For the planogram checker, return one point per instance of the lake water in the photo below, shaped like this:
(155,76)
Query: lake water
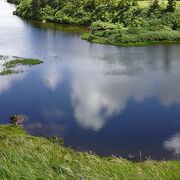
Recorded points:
(123,101)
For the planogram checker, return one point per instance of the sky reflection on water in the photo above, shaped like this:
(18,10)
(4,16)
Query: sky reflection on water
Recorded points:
(102,98)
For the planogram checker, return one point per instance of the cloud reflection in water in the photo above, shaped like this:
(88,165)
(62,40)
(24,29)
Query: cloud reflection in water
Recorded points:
(103,90)
(173,144)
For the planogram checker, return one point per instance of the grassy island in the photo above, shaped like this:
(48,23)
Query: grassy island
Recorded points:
(23,156)
(16,62)
(116,22)
(10,65)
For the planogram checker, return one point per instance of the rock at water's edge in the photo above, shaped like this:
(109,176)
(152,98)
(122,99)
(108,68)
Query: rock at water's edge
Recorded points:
(16,119)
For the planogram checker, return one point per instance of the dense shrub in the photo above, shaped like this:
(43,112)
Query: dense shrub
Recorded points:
(47,13)
(138,35)
(171,5)
(100,25)
(110,21)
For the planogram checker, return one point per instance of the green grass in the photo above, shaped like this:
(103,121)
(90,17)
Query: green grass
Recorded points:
(145,4)
(9,66)
(23,156)
(137,40)
(17,62)
(135,44)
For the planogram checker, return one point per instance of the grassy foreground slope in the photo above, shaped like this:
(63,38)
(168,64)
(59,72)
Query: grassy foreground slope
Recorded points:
(23,156)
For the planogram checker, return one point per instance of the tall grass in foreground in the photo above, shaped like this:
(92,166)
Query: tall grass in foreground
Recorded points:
(26,157)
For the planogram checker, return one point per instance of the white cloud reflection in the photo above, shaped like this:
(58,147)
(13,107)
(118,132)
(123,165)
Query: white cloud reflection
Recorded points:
(52,75)
(102,86)
(6,82)
(102,90)
(173,144)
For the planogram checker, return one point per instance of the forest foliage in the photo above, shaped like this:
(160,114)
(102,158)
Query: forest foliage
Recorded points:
(110,21)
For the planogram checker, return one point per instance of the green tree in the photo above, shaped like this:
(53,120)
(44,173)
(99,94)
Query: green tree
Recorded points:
(154,4)
(124,4)
(171,6)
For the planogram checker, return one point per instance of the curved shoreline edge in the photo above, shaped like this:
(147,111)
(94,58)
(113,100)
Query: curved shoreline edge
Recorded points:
(136,44)
(148,28)
(31,157)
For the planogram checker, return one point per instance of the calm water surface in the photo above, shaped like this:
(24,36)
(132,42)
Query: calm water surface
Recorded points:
(110,100)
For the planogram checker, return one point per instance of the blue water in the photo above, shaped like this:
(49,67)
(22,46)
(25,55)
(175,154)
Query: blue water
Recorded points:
(110,100)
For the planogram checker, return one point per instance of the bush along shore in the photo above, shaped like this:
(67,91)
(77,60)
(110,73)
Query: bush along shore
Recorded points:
(117,22)
(23,156)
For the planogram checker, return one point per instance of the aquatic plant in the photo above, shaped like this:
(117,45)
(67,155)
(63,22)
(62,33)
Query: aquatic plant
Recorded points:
(16,62)
(9,67)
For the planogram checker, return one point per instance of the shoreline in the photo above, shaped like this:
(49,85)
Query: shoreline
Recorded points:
(136,44)
(24,156)
(50,159)
(86,33)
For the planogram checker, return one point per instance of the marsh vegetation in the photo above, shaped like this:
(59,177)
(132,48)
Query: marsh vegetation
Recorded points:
(114,22)
(9,64)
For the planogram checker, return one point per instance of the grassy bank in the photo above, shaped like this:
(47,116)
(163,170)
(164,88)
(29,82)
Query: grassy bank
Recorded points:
(26,157)
(116,22)
(115,42)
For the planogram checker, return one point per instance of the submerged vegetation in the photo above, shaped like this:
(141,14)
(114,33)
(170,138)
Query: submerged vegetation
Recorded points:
(14,63)
(8,72)
(111,21)
(23,156)
(9,67)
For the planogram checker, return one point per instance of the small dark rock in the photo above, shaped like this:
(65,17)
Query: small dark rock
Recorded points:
(16,119)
